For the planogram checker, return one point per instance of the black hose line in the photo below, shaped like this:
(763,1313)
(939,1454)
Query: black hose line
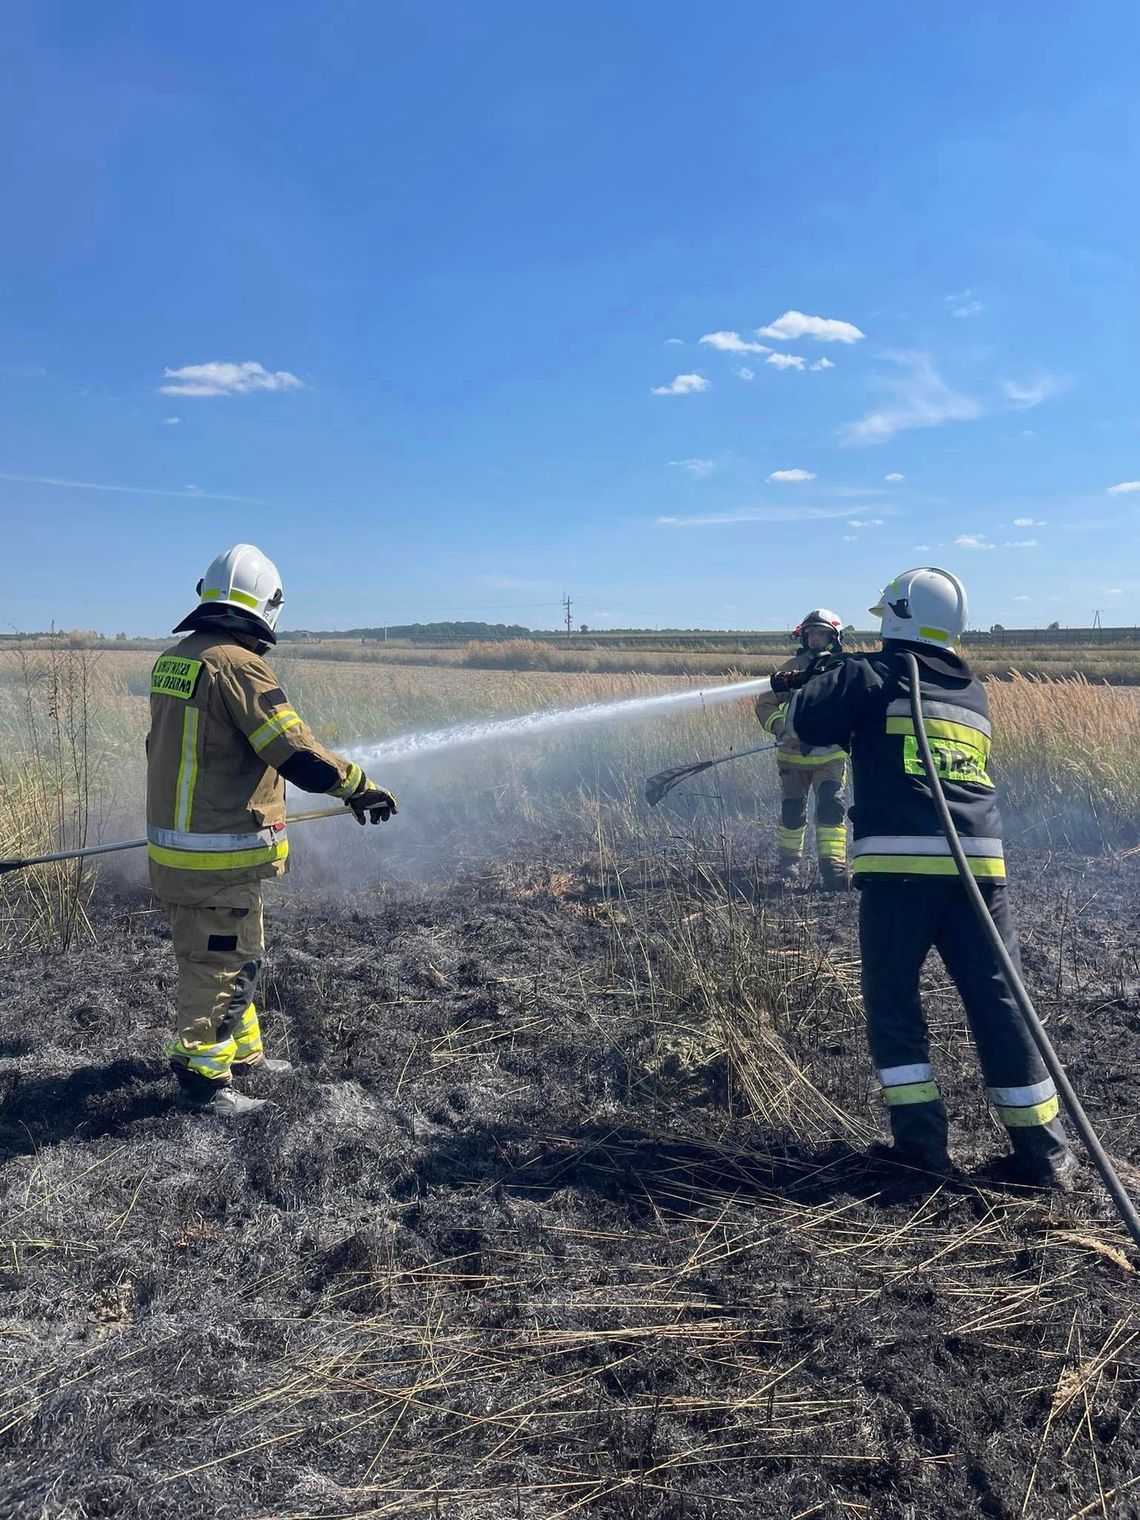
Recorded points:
(1124,1205)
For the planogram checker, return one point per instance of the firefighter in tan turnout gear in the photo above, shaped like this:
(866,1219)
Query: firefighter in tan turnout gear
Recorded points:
(223,742)
(804,768)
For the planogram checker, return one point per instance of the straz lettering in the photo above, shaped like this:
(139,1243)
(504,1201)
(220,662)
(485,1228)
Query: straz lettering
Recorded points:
(172,677)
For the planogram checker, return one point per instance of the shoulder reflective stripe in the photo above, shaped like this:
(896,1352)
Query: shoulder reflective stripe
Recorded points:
(911,1092)
(950,712)
(175,677)
(273,727)
(1022,1118)
(179,839)
(1022,1097)
(187,770)
(351,783)
(924,865)
(217,860)
(895,1076)
(938,728)
(924,844)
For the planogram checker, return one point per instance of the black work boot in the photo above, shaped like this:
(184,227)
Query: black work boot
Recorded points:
(915,1157)
(267,1065)
(787,869)
(211,1098)
(920,1136)
(1041,1158)
(833,874)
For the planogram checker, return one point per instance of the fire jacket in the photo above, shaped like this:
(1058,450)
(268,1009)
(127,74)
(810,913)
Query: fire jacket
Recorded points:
(772,711)
(862,702)
(223,741)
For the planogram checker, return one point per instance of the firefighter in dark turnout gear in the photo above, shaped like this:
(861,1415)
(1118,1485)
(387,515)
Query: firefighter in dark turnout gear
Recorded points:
(807,768)
(911,896)
(223,742)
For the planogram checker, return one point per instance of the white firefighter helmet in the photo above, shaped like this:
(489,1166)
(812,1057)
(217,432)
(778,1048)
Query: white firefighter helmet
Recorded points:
(924,606)
(821,617)
(243,577)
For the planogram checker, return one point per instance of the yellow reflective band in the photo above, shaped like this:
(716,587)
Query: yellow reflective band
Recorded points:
(351,784)
(939,728)
(934,633)
(830,843)
(911,1092)
(212,1061)
(241,597)
(928,865)
(187,771)
(1036,1113)
(172,677)
(775,717)
(217,860)
(828,759)
(273,727)
(790,839)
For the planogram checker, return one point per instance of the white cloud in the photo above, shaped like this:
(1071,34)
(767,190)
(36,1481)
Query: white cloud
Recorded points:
(1030,393)
(918,397)
(733,343)
(94,485)
(682,385)
(823,364)
(785,361)
(745,373)
(1124,488)
(172,421)
(1022,598)
(222,379)
(1114,591)
(972,541)
(923,548)
(1026,522)
(697,468)
(849,538)
(894,477)
(751,515)
(674,342)
(1022,543)
(865,522)
(795,324)
(792,475)
(968,309)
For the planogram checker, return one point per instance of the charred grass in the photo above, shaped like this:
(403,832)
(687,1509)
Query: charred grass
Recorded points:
(563,1213)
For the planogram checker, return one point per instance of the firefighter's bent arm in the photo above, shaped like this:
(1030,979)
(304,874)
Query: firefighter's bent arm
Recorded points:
(833,703)
(278,734)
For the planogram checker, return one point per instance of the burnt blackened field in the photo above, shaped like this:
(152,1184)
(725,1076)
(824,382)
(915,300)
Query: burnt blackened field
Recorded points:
(562,1214)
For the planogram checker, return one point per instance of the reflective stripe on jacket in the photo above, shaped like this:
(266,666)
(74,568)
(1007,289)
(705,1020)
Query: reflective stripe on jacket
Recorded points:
(863,702)
(772,712)
(221,731)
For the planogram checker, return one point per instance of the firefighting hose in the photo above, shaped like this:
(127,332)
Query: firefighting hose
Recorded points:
(25,862)
(1101,1159)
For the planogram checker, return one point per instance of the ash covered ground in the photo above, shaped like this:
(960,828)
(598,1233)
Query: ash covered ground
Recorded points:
(518,1241)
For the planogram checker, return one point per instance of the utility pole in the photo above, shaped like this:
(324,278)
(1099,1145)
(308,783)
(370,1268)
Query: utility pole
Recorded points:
(569,620)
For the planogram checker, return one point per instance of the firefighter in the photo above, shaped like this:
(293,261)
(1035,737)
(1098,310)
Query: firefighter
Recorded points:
(804,768)
(910,895)
(223,742)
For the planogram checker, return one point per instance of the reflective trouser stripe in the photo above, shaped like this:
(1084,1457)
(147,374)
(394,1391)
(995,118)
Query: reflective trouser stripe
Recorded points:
(909,1084)
(218,860)
(829,757)
(927,865)
(1019,1107)
(791,841)
(213,1061)
(831,841)
(247,1036)
(187,770)
(349,786)
(273,727)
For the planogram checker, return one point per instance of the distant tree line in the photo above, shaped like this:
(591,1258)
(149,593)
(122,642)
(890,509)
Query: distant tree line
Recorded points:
(422,633)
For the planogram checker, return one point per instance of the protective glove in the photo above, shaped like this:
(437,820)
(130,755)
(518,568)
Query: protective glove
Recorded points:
(789,744)
(372,802)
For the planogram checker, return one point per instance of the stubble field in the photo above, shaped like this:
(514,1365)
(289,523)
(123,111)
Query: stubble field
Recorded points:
(564,1210)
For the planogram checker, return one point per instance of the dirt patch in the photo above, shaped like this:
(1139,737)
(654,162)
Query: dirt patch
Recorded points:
(512,1243)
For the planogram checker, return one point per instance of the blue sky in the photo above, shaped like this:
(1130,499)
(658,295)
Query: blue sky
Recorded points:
(393,290)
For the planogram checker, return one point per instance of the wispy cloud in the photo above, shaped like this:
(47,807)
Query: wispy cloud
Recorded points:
(865,522)
(983,541)
(733,343)
(786,361)
(796,324)
(773,514)
(674,342)
(1024,394)
(187,493)
(964,304)
(1022,599)
(822,364)
(1125,488)
(791,475)
(223,379)
(917,397)
(682,385)
(744,373)
(1027,522)
(894,477)
(696,468)
(1113,591)
(172,422)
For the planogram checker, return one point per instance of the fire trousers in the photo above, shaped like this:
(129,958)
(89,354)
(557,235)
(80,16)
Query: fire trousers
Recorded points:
(900,920)
(797,782)
(219,950)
